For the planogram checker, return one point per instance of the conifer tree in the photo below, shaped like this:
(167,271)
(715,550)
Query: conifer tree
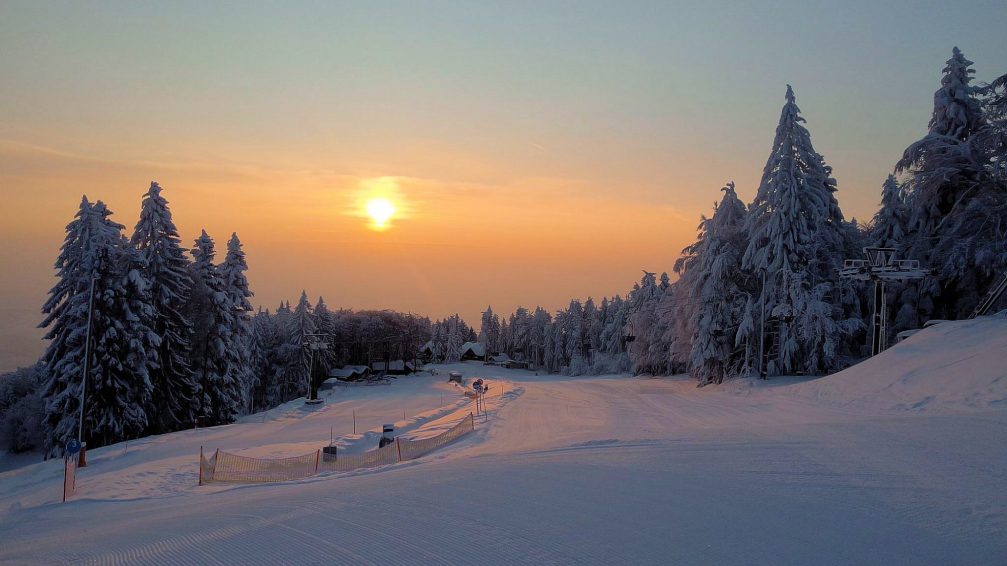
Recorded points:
(125,342)
(301,322)
(489,330)
(118,387)
(455,335)
(715,290)
(66,324)
(957,205)
(165,267)
(890,225)
(797,237)
(235,284)
(212,313)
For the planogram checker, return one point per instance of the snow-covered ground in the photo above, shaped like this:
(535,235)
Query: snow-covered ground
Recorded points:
(899,460)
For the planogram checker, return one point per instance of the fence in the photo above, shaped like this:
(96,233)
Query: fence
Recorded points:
(227,467)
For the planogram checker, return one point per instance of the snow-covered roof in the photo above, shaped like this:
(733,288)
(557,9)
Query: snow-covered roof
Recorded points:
(500,358)
(348,371)
(478,349)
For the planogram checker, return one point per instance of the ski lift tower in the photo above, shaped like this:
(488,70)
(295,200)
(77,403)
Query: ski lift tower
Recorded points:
(881,267)
(314,343)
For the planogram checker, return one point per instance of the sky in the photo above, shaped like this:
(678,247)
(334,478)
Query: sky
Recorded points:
(534,151)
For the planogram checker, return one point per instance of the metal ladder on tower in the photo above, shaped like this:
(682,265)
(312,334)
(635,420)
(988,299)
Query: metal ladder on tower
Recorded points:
(991,297)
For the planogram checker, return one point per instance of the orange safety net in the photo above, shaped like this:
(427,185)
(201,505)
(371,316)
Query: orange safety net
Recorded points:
(412,449)
(227,467)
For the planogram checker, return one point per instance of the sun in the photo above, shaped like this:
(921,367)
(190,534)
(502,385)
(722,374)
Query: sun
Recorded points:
(381,211)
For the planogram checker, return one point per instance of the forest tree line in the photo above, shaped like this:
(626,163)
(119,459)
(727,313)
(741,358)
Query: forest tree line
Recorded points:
(945,204)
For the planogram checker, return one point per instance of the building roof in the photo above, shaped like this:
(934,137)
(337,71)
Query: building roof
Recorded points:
(348,371)
(478,349)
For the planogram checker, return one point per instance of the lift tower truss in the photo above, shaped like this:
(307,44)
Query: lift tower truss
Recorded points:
(881,267)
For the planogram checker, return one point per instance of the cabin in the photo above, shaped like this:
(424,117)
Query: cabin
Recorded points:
(394,367)
(497,360)
(516,364)
(346,373)
(473,351)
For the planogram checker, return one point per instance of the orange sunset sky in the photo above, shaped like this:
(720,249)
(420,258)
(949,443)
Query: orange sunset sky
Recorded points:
(534,152)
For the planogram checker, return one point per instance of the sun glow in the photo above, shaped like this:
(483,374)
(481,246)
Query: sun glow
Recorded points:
(381,211)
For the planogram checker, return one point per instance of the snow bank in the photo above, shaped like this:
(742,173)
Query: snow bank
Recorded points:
(951,367)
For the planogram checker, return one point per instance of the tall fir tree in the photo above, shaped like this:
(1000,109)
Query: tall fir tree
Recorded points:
(211,312)
(118,388)
(715,289)
(235,283)
(301,322)
(455,338)
(166,268)
(489,330)
(956,202)
(957,113)
(125,342)
(891,222)
(797,237)
(66,324)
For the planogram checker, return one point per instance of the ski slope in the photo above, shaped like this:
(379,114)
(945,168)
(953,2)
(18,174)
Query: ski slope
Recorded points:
(899,460)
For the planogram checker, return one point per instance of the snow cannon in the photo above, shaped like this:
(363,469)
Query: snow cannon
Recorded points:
(387,435)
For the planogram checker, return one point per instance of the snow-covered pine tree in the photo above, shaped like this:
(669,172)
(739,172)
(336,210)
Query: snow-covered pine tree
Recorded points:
(235,283)
(594,320)
(551,357)
(125,343)
(890,229)
(957,113)
(942,166)
(715,290)
(212,315)
(574,346)
(66,320)
(506,337)
(264,340)
(796,230)
(613,345)
(538,337)
(325,324)
(993,138)
(118,387)
(642,320)
(656,339)
(286,356)
(438,338)
(455,335)
(520,329)
(891,223)
(611,357)
(489,330)
(166,268)
(957,205)
(301,322)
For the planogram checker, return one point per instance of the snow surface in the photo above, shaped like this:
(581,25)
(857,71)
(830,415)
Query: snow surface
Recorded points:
(899,460)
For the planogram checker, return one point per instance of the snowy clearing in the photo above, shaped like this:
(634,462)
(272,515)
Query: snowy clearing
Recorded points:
(897,460)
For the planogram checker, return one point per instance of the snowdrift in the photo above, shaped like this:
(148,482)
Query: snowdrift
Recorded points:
(951,367)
